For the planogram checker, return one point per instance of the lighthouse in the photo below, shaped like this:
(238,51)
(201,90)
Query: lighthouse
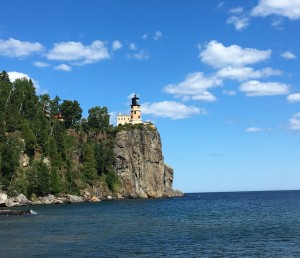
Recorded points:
(135,115)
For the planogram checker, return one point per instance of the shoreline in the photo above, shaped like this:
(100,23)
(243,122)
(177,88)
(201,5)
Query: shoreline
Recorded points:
(21,200)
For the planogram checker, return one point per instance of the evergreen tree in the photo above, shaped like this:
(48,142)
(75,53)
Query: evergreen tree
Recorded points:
(71,112)
(39,178)
(9,161)
(98,118)
(51,151)
(89,163)
(55,186)
(29,137)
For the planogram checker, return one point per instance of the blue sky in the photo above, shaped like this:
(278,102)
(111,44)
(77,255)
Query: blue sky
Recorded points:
(220,79)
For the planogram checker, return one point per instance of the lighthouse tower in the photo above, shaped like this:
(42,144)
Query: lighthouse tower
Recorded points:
(135,116)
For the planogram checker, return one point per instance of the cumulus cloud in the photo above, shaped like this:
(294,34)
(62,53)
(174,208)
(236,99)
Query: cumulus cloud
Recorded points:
(158,35)
(288,55)
(116,45)
(236,10)
(229,92)
(144,36)
(257,129)
(16,48)
(286,8)
(257,88)
(63,67)
(195,85)
(141,54)
(40,64)
(170,109)
(295,122)
(17,75)
(217,55)
(292,98)
(238,22)
(79,53)
(13,76)
(132,46)
(245,73)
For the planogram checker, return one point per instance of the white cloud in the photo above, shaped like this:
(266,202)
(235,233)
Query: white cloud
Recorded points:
(236,10)
(145,36)
(13,76)
(170,109)
(277,23)
(158,35)
(40,64)
(17,75)
(116,45)
(229,92)
(195,85)
(112,117)
(204,96)
(76,51)
(63,67)
(217,55)
(286,8)
(142,54)
(220,5)
(257,88)
(256,129)
(245,73)
(132,46)
(288,55)
(295,97)
(239,23)
(295,122)
(16,48)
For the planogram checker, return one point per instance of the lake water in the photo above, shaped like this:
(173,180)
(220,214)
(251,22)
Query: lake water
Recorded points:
(244,224)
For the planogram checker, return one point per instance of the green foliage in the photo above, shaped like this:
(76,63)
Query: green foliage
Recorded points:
(39,177)
(80,151)
(29,137)
(51,151)
(71,112)
(104,156)
(98,119)
(112,181)
(55,183)
(89,164)
(9,156)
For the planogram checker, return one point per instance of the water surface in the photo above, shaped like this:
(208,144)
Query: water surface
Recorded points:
(245,224)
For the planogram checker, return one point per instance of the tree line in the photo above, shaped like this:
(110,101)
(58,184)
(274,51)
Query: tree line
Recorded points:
(46,146)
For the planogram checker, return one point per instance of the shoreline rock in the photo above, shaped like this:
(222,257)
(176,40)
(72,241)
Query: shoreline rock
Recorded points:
(14,212)
(21,200)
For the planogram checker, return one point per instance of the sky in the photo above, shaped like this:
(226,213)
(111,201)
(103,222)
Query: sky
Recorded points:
(220,79)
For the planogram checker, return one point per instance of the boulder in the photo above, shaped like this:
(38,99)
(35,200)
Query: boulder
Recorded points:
(49,199)
(3,198)
(94,199)
(73,199)
(22,200)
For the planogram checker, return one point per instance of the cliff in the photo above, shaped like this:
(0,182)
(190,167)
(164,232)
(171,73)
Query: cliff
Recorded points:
(139,164)
(133,164)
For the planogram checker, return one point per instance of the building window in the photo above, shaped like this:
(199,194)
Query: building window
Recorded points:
(139,116)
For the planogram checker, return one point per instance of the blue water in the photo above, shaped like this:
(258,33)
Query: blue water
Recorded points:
(246,224)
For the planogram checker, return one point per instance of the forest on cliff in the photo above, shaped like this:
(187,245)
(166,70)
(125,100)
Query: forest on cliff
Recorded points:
(46,146)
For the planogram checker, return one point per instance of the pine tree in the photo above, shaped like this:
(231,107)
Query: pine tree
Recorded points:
(89,164)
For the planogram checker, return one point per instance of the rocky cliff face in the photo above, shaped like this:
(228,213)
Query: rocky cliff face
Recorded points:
(140,165)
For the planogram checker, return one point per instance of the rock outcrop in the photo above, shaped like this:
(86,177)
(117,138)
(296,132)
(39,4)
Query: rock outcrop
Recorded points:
(140,165)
